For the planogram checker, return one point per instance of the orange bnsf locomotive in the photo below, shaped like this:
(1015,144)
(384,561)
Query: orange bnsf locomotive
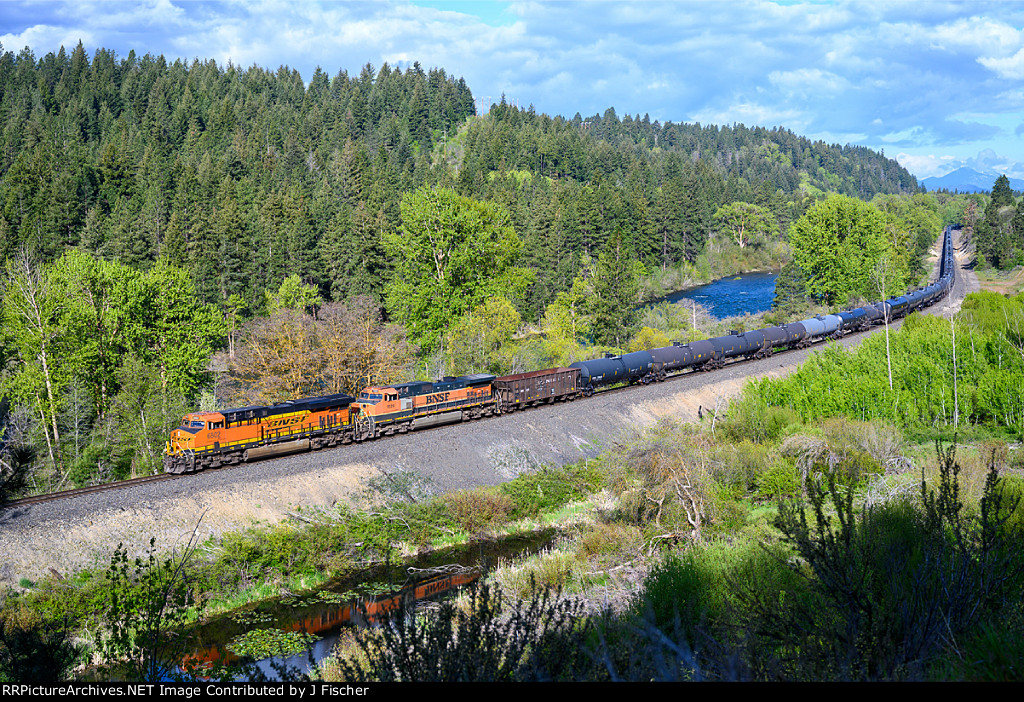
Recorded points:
(398,408)
(213,439)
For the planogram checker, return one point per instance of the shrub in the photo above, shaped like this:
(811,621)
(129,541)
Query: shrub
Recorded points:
(553,569)
(741,464)
(37,651)
(533,493)
(682,589)
(753,419)
(894,585)
(607,539)
(780,480)
(478,508)
(995,452)
(539,639)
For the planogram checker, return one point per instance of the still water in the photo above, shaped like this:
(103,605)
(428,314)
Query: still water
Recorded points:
(727,297)
(382,591)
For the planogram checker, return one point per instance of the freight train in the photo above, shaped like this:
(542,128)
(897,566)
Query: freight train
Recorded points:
(213,439)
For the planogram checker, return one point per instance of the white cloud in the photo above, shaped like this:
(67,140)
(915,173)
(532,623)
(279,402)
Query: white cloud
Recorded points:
(807,81)
(750,113)
(978,33)
(1011,67)
(928,165)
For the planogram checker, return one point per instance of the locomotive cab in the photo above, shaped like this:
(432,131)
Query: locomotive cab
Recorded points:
(373,401)
(195,433)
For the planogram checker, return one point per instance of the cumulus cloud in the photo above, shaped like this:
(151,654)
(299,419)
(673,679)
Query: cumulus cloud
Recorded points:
(1011,67)
(928,165)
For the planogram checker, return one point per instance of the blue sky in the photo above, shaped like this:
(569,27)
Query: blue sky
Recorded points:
(936,85)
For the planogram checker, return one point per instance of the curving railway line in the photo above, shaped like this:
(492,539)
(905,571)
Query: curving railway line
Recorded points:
(955,291)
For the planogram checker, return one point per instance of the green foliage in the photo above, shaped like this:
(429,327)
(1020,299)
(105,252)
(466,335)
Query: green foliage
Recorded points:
(293,295)
(648,338)
(892,585)
(565,319)
(992,653)
(838,244)
(532,493)
(37,651)
(615,288)
(751,418)
(999,238)
(99,461)
(551,570)
(990,313)
(478,508)
(258,644)
(791,296)
(781,480)
(451,255)
(989,368)
(147,615)
(539,639)
(479,341)
(686,589)
(746,223)
(911,224)
(93,338)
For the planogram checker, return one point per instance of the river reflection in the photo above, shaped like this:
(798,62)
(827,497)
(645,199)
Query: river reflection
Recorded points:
(318,617)
(323,614)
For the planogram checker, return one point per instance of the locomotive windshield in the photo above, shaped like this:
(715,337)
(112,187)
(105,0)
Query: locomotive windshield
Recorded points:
(371,396)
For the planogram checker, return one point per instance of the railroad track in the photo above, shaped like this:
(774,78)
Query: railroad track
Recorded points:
(89,490)
(133,482)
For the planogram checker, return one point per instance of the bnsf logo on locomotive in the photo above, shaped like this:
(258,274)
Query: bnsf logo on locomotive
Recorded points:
(436,398)
(284,422)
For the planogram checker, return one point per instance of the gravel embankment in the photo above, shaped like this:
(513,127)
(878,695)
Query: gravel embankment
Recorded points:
(68,535)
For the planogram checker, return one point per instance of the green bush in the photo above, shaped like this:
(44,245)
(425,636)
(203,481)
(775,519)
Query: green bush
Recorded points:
(99,462)
(893,585)
(780,480)
(37,651)
(549,487)
(993,653)
(478,508)
(683,589)
(751,418)
(742,463)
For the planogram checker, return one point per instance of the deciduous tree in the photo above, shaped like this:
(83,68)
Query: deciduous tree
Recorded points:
(451,254)
(744,222)
(837,244)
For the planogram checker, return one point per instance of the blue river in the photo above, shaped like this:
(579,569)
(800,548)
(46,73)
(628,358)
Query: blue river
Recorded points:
(727,297)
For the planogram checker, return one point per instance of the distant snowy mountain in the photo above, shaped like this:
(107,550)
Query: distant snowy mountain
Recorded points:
(968,180)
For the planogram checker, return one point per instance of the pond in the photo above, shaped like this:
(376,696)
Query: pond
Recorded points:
(727,297)
(315,619)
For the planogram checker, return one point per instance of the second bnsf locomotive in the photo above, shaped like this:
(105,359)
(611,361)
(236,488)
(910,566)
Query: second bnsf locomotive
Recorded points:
(212,439)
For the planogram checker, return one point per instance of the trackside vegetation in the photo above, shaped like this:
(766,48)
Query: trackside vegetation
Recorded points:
(770,546)
(262,198)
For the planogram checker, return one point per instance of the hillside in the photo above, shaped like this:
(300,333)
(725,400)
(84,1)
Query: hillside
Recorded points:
(247,176)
